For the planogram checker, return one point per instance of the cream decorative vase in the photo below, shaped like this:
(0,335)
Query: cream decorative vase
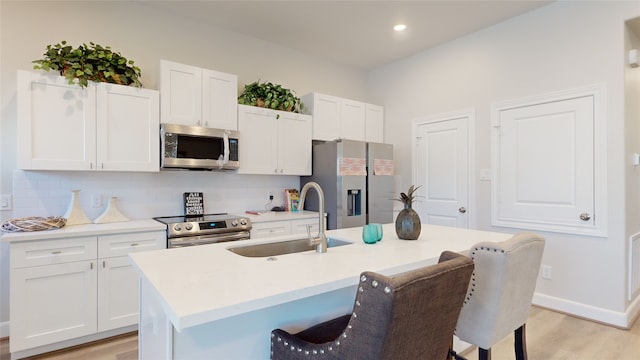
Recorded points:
(75,215)
(110,214)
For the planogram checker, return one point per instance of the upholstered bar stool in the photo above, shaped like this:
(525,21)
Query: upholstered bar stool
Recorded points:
(406,317)
(500,293)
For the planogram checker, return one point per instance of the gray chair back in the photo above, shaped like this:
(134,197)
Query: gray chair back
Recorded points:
(501,289)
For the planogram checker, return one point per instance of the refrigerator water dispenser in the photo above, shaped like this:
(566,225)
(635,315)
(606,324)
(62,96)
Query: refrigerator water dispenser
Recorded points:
(354,201)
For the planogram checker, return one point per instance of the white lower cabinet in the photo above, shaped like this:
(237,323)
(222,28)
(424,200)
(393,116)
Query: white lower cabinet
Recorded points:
(284,227)
(271,228)
(63,289)
(52,303)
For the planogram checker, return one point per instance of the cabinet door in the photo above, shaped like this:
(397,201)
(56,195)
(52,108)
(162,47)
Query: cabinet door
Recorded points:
(352,120)
(259,143)
(326,117)
(52,303)
(294,143)
(374,123)
(56,123)
(127,128)
(118,289)
(219,100)
(181,89)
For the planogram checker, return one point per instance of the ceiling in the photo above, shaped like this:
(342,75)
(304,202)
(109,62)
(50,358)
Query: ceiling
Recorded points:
(356,33)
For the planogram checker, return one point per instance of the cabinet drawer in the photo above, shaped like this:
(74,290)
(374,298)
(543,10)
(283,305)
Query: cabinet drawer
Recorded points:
(273,228)
(123,244)
(47,252)
(300,226)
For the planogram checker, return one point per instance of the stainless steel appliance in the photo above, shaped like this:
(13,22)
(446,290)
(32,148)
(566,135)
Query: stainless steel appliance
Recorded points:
(197,147)
(205,229)
(357,180)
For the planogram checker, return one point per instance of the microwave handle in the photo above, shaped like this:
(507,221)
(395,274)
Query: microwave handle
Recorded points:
(226,147)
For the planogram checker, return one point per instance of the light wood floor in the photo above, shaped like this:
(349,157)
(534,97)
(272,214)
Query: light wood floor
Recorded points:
(550,336)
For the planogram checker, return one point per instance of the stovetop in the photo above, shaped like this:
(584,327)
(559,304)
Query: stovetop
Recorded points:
(178,226)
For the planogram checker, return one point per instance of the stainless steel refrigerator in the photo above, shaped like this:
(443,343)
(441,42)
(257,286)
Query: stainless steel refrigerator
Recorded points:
(357,180)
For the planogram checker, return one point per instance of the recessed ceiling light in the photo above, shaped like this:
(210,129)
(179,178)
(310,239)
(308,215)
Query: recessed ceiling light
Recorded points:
(400,27)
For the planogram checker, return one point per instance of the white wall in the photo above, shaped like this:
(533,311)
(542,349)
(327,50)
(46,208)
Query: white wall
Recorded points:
(144,34)
(561,46)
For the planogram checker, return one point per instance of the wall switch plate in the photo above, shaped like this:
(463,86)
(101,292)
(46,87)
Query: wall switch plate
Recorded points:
(546,272)
(5,202)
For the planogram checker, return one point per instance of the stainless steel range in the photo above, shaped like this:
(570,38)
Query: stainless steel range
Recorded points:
(205,229)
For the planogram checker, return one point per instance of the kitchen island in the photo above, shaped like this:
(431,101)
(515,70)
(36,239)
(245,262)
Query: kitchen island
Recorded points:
(207,302)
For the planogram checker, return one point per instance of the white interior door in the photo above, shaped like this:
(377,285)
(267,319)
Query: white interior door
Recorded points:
(545,165)
(441,169)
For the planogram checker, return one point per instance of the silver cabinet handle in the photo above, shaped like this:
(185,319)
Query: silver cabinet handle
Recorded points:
(462,210)
(585,217)
(134,244)
(56,252)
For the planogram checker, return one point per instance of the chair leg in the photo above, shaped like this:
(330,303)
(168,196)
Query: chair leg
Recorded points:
(520,343)
(484,354)
(455,355)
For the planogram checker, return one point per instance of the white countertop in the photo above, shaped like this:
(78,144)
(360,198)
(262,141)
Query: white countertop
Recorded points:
(86,230)
(197,285)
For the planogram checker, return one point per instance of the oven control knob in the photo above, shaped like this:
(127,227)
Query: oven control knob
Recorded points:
(234,223)
(243,222)
(177,227)
(188,226)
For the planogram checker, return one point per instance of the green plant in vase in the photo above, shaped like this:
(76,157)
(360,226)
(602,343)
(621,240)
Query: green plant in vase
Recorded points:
(408,224)
(91,62)
(271,96)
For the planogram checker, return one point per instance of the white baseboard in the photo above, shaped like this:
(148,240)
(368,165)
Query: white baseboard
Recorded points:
(4,329)
(614,318)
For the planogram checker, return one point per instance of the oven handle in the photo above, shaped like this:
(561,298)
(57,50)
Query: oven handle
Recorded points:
(208,239)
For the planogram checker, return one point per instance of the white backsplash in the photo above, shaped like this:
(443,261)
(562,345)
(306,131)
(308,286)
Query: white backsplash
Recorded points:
(144,195)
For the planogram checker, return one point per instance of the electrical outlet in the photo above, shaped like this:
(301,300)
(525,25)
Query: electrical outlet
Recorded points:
(96,200)
(546,272)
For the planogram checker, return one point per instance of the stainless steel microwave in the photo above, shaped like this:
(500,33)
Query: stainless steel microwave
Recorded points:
(198,148)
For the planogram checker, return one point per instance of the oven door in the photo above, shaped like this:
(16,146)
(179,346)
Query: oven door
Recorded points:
(207,239)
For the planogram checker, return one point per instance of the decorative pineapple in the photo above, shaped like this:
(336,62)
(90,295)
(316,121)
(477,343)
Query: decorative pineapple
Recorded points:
(408,224)
(408,198)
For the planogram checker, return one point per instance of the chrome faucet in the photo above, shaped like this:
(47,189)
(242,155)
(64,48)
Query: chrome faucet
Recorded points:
(320,241)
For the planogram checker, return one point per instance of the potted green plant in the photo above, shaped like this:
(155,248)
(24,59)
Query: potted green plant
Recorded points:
(269,95)
(89,62)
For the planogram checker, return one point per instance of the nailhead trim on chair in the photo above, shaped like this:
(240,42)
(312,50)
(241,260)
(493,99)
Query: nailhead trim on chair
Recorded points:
(473,275)
(363,279)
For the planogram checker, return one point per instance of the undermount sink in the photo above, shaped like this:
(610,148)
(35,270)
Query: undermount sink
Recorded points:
(282,247)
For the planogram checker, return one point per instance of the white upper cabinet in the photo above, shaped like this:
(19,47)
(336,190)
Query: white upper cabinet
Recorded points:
(196,96)
(127,128)
(374,123)
(274,142)
(101,127)
(352,120)
(338,118)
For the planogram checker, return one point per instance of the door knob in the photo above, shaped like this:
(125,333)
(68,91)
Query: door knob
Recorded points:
(585,217)
(462,210)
